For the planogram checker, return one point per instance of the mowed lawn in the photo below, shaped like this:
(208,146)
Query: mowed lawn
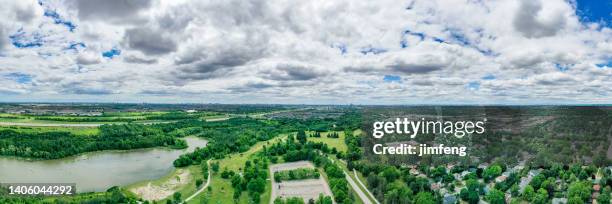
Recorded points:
(338,143)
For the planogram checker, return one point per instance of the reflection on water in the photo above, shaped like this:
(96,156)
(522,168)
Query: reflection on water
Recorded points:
(96,171)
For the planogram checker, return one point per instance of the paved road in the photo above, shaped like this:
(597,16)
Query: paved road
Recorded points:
(360,193)
(364,187)
(216,119)
(203,187)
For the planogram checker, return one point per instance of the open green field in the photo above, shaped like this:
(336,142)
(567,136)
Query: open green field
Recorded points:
(110,117)
(84,131)
(338,143)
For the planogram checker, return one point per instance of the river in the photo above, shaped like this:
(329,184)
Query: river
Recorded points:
(96,171)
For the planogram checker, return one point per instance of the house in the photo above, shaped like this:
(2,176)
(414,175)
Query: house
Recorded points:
(524,182)
(518,168)
(559,201)
(507,173)
(450,166)
(191,111)
(486,189)
(435,186)
(457,176)
(534,172)
(596,187)
(91,114)
(449,199)
(501,178)
(414,171)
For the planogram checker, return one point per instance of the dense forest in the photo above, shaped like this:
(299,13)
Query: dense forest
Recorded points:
(52,145)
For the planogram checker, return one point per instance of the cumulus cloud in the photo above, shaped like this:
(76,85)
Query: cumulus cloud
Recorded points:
(17,14)
(337,52)
(139,60)
(289,71)
(88,58)
(531,21)
(150,42)
(119,10)
(418,63)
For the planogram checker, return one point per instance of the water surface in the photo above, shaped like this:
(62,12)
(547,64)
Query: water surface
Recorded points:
(96,171)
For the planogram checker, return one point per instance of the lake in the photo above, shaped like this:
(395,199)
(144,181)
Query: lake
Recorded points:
(96,171)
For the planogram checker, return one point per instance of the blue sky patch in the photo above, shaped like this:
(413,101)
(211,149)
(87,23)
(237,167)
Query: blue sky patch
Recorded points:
(19,77)
(488,77)
(341,47)
(76,46)
(392,78)
(111,53)
(418,34)
(605,64)
(459,37)
(21,39)
(404,42)
(59,20)
(473,86)
(562,67)
(595,11)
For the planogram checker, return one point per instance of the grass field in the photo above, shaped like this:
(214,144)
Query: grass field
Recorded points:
(338,143)
(106,118)
(84,131)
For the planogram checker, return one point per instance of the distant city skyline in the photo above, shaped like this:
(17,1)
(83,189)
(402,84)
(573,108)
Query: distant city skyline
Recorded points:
(443,52)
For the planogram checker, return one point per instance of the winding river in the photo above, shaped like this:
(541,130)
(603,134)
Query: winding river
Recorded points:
(96,171)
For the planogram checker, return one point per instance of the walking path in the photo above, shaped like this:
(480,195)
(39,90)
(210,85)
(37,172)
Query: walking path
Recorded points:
(203,187)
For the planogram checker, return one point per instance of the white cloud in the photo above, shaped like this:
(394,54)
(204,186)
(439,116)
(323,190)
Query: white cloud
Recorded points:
(309,51)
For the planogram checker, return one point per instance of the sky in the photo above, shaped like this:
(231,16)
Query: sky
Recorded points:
(307,52)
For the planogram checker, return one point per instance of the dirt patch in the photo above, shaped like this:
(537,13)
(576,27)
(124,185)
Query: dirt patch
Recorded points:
(167,188)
